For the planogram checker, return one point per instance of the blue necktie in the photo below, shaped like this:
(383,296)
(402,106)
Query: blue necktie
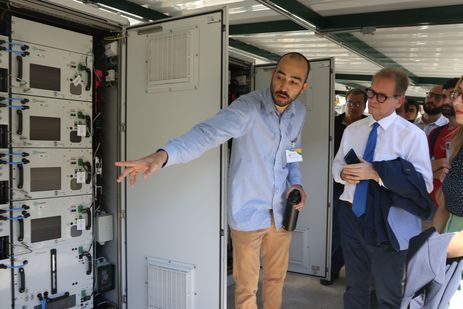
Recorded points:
(360,195)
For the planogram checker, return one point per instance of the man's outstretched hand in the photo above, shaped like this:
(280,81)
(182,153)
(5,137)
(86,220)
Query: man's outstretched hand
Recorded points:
(147,166)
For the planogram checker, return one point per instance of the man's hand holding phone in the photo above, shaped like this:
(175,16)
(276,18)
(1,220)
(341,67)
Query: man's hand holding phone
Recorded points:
(351,157)
(357,169)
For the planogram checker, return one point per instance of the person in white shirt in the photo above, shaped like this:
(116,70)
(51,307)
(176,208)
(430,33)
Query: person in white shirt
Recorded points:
(395,137)
(432,117)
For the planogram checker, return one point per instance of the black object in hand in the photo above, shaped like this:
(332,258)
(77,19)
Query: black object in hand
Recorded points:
(351,157)
(290,218)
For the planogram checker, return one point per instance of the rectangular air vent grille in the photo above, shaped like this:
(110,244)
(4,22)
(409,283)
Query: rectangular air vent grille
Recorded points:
(170,284)
(172,60)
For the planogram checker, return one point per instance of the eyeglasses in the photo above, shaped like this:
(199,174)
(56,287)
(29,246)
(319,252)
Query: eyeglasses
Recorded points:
(354,103)
(457,92)
(436,96)
(380,97)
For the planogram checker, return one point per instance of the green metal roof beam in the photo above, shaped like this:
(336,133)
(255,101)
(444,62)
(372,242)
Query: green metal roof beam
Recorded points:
(433,80)
(299,11)
(296,8)
(253,49)
(133,8)
(264,27)
(365,50)
(358,77)
(452,14)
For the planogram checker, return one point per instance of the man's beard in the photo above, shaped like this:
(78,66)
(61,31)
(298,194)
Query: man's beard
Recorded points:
(286,103)
(447,110)
(431,110)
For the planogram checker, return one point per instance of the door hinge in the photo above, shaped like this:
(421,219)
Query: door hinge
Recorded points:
(123,127)
(123,214)
(224,28)
(222,232)
(124,299)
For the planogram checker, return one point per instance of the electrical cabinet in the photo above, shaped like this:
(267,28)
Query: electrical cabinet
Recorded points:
(46,167)
(50,72)
(43,67)
(61,274)
(54,221)
(51,172)
(48,122)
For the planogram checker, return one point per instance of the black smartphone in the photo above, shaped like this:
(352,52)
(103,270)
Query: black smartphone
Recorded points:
(351,157)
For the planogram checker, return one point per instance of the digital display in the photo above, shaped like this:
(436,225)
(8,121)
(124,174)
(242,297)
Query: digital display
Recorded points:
(44,77)
(45,179)
(45,229)
(45,128)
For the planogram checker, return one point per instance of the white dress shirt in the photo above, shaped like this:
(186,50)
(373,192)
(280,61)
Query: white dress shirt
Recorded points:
(397,137)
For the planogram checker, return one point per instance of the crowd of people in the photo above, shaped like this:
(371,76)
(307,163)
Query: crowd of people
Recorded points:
(385,169)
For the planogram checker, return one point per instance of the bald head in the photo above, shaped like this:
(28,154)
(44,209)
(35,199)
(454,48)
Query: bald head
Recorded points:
(298,59)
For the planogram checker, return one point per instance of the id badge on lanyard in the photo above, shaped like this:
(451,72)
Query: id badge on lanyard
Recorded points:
(293,154)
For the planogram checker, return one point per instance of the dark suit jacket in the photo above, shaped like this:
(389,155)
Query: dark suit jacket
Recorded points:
(404,188)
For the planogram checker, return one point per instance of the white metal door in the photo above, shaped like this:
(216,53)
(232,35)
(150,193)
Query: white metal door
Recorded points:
(311,243)
(175,225)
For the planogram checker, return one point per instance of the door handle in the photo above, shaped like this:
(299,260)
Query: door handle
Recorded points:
(20,176)
(21,230)
(19,77)
(88,124)
(88,211)
(22,275)
(89,259)
(20,122)
(89,79)
(88,169)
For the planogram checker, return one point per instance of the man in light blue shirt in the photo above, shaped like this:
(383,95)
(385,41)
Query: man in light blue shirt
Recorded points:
(266,126)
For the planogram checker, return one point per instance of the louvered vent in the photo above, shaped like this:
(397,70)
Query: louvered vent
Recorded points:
(170,284)
(172,60)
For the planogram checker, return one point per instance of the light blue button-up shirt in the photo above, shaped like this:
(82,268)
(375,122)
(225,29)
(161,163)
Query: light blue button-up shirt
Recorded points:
(259,174)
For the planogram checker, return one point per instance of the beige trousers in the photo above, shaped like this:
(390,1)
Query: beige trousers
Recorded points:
(273,247)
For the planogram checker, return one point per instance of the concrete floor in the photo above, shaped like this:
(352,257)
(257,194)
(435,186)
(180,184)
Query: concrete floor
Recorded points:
(302,292)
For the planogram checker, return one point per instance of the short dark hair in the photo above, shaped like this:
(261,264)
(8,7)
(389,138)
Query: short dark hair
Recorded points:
(410,102)
(398,75)
(357,91)
(451,83)
(298,56)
